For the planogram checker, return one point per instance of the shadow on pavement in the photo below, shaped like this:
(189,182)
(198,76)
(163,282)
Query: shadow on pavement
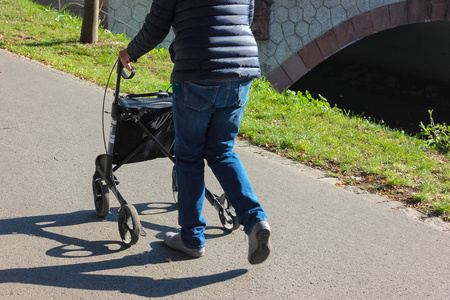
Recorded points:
(76,276)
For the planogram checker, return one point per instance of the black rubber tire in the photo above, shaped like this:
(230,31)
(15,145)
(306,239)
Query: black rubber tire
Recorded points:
(101,196)
(129,224)
(231,223)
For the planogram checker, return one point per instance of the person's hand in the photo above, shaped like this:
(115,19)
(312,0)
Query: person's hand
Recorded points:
(125,59)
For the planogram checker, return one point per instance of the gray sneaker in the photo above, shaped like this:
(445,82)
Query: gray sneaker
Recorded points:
(173,240)
(259,243)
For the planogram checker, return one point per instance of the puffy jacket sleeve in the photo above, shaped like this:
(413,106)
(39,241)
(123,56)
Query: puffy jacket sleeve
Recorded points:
(155,29)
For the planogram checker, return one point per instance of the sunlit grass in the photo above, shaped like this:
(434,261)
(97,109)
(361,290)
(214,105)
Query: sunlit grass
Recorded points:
(384,160)
(52,37)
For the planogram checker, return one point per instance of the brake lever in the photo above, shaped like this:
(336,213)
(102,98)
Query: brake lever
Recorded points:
(126,76)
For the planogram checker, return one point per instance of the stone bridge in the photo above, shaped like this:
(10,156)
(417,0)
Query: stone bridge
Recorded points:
(294,36)
(304,33)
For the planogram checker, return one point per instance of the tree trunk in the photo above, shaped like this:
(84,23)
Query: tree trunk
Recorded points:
(89,29)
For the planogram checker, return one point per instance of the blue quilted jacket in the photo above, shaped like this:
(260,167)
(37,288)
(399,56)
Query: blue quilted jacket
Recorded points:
(213,39)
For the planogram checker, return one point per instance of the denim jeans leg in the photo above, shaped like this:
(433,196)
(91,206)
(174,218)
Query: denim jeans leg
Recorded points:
(207,116)
(191,118)
(223,160)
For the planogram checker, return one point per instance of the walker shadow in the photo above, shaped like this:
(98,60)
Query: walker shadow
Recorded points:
(145,209)
(37,225)
(75,276)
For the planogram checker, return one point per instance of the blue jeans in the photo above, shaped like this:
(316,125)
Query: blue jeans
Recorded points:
(207,116)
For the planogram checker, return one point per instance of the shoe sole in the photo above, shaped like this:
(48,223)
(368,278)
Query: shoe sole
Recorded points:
(262,252)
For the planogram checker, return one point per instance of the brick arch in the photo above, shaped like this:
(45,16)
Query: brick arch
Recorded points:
(354,29)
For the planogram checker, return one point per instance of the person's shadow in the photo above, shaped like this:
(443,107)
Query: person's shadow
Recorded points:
(76,275)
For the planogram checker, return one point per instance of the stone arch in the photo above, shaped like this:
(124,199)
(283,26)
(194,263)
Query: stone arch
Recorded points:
(354,29)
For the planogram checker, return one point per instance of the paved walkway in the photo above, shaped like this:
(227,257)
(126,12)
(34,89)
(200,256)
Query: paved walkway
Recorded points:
(328,243)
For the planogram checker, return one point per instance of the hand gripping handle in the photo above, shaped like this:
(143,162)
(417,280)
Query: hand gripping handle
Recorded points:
(125,75)
(123,71)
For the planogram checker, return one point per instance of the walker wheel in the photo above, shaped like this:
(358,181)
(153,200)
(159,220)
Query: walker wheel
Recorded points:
(129,224)
(174,185)
(101,196)
(227,215)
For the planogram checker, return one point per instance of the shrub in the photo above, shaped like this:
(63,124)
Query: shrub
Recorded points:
(436,135)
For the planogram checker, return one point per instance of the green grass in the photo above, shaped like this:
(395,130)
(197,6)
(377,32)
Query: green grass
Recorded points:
(359,152)
(362,153)
(52,37)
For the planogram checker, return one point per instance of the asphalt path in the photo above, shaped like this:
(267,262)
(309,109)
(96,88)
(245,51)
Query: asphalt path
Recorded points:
(328,242)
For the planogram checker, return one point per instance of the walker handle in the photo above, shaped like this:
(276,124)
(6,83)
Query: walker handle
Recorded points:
(125,75)
(123,71)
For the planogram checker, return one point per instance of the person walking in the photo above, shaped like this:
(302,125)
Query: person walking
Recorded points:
(215,59)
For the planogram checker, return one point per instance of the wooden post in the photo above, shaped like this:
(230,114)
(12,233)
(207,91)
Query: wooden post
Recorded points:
(89,29)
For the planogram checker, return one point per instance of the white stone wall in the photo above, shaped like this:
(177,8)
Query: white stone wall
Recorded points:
(293,23)
(128,16)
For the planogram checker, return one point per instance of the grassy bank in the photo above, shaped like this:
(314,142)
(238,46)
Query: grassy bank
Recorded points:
(351,148)
(43,34)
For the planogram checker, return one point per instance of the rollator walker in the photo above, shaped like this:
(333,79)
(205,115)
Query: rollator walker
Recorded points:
(141,129)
